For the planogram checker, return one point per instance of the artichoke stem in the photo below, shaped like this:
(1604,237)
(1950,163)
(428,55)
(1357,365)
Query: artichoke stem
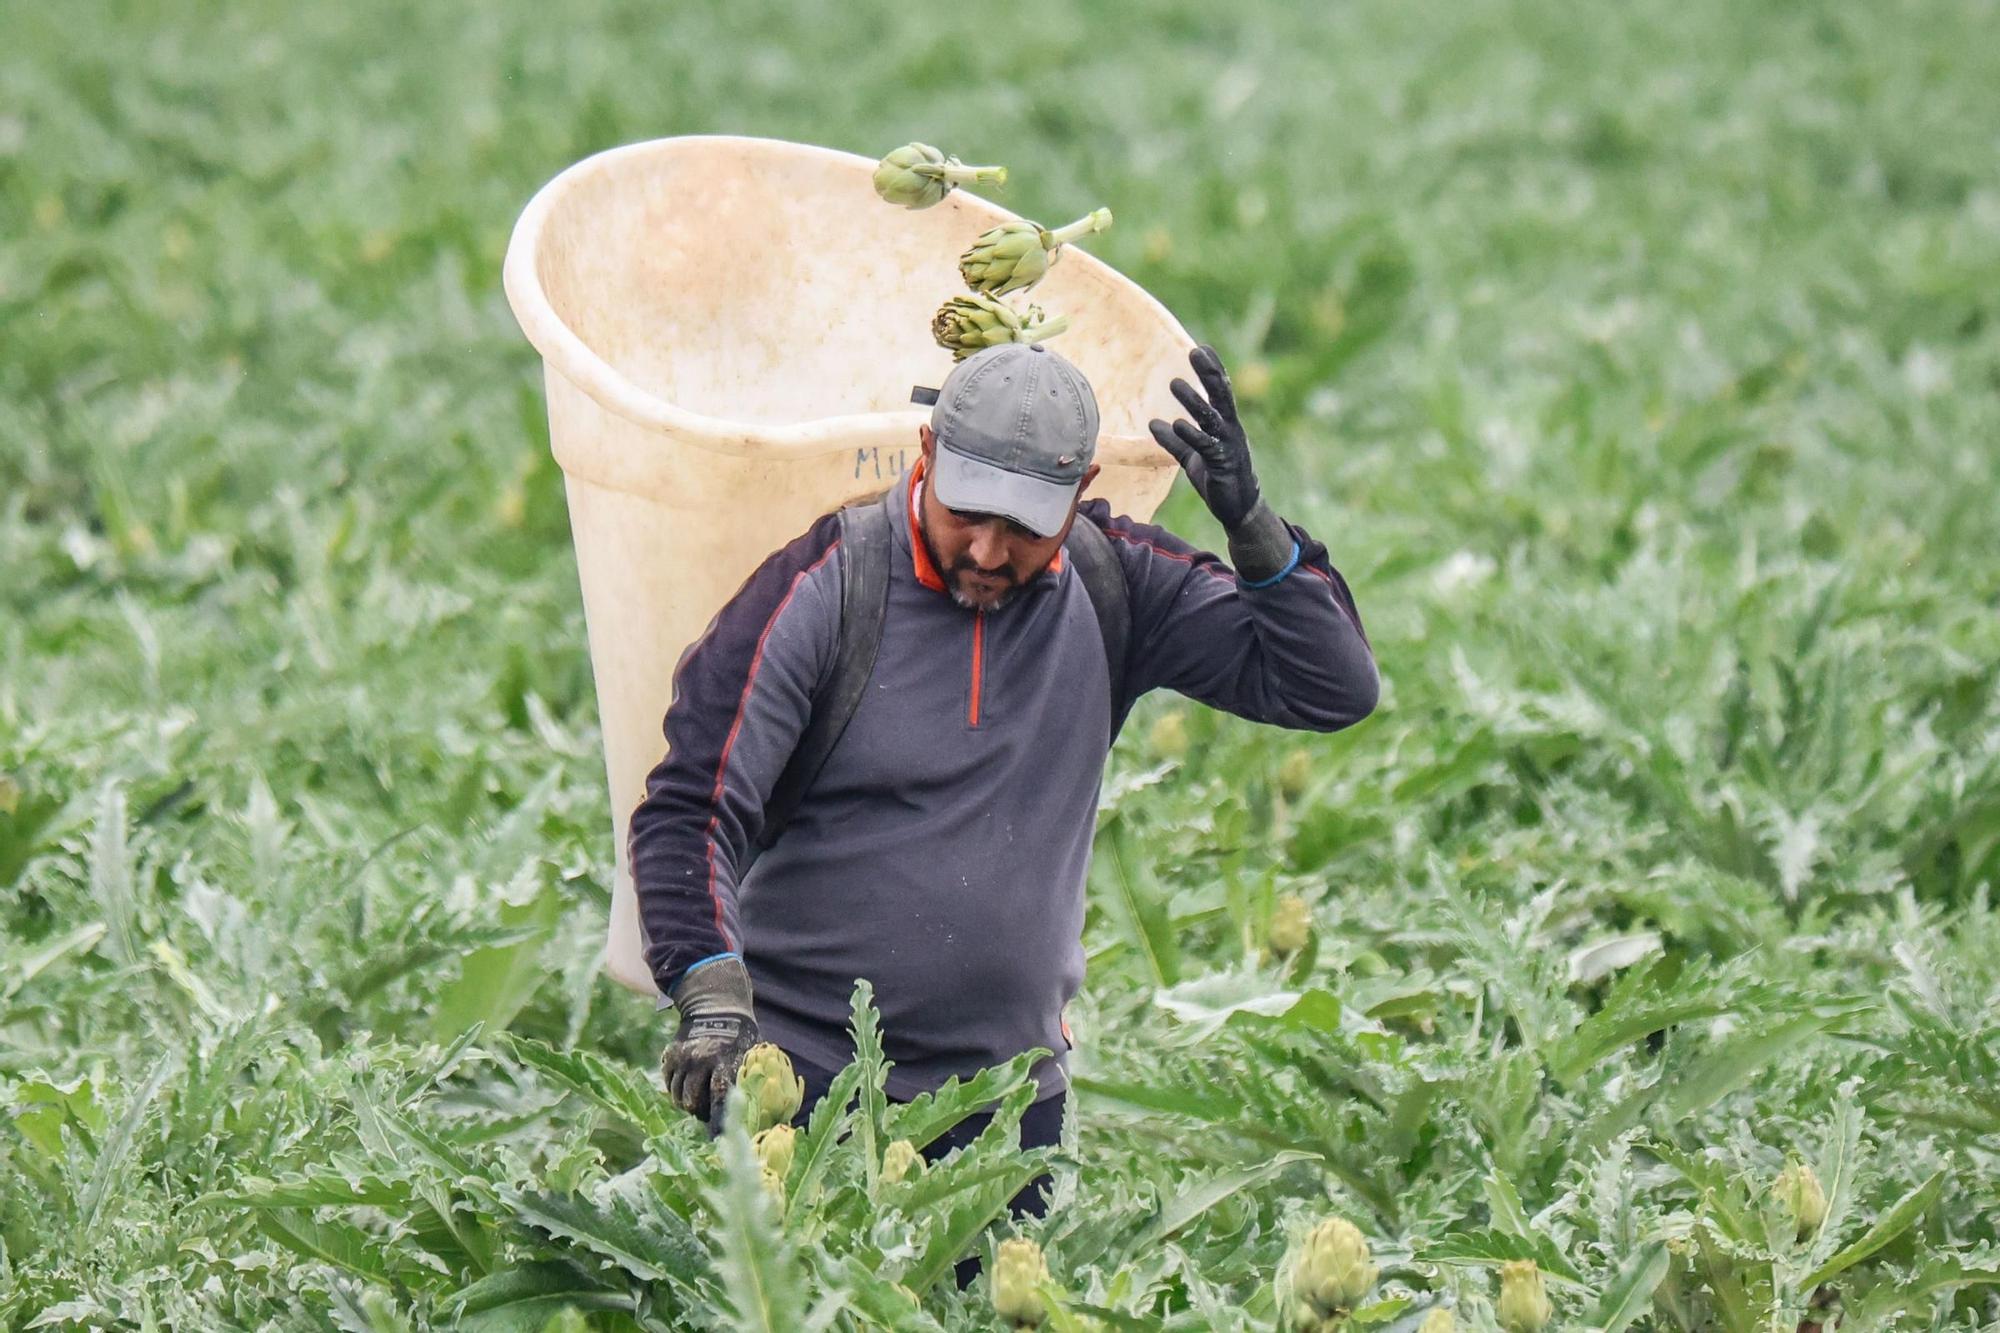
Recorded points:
(1097,220)
(1048,328)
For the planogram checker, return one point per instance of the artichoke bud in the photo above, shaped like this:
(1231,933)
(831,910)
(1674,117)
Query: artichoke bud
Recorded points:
(774,1186)
(1331,1272)
(1798,1189)
(1017,1273)
(901,1161)
(1524,1303)
(1017,254)
(966,324)
(1169,735)
(1439,1320)
(1294,773)
(1291,926)
(774,1149)
(918,175)
(774,1092)
(1005,258)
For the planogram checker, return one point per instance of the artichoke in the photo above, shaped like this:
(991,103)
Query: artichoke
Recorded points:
(1014,255)
(1798,1189)
(774,1186)
(1331,1273)
(1439,1320)
(1295,773)
(774,1092)
(901,1161)
(1524,1303)
(918,175)
(967,324)
(1169,735)
(1291,926)
(774,1149)
(1017,1274)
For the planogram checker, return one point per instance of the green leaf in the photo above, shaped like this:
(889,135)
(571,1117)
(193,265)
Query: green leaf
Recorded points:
(624,1092)
(25,967)
(1902,1215)
(493,983)
(314,1189)
(929,1115)
(1139,906)
(523,1299)
(1630,1293)
(1191,1203)
(108,1170)
(865,1024)
(1727,1065)
(649,1247)
(763,1291)
(333,1242)
(1497,1247)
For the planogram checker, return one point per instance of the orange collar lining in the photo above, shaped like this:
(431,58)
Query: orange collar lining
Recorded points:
(920,557)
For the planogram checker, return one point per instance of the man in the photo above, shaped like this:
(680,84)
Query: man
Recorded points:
(941,851)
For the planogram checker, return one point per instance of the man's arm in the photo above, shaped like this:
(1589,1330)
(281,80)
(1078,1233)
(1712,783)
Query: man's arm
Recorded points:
(742,698)
(1290,652)
(1276,640)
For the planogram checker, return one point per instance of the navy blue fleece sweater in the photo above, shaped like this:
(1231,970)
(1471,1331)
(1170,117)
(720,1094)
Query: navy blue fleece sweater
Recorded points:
(942,851)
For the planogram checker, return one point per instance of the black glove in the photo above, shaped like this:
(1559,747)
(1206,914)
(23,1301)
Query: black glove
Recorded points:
(716,1029)
(1215,454)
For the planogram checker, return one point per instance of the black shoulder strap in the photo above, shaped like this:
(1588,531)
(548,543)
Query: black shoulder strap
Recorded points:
(865,540)
(1104,580)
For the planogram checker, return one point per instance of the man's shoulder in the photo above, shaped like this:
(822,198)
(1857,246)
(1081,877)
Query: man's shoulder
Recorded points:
(800,565)
(1138,541)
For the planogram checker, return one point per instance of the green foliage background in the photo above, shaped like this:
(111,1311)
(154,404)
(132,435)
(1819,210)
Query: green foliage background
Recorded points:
(1638,363)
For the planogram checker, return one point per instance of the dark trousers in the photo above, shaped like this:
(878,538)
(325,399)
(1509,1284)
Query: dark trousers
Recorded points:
(1041,1126)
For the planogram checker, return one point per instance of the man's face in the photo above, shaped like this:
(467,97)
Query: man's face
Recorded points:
(985,559)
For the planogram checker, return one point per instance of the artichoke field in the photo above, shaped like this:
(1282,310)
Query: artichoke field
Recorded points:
(1633,967)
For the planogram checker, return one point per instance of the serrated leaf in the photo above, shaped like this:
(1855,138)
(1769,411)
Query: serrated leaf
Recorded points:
(620,1090)
(1191,1203)
(1902,1215)
(651,1248)
(1497,1247)
(761,1283)
(1630,1294)
(531,1313)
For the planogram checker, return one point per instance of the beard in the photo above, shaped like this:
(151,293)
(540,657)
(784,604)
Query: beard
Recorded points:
(966,600)
(954,577)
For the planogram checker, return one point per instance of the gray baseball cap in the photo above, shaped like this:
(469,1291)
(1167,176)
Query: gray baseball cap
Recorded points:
(1016,428)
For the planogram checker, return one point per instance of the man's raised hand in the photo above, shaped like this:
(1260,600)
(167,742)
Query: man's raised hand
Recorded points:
(1211,448)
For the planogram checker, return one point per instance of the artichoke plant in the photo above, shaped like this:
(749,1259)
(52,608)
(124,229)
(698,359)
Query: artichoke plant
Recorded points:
(1798,1189)
(1331,1271)
(1291,926)
(1017,1275)
(1439,1320)
(900,1161)
(774,1092)
(1014,255)
(966,324)
(1524,1302)
(774,1186)
(918,175)
(774,1149)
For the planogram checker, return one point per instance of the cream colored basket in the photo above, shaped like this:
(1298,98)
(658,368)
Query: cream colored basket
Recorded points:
(730,328)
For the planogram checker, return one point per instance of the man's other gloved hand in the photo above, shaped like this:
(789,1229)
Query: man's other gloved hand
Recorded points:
(1214,452)
(716,1028)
